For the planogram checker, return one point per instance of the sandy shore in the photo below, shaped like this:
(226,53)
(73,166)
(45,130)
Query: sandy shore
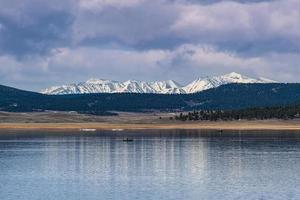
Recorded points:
(238,125)
(66,121)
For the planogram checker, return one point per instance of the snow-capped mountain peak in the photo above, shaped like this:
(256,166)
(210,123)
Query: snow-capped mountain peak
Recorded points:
(160,87)
(237,78)
(216,81)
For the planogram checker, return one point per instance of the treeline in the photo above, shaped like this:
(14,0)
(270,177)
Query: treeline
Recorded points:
(291,112)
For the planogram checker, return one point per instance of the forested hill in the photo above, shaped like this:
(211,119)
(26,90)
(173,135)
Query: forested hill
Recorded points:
(231,96)
(239,96)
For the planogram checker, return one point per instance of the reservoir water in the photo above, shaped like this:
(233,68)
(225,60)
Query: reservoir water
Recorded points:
(169,165)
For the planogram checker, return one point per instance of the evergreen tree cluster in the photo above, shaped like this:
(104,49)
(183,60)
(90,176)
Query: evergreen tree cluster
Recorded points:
(291,112)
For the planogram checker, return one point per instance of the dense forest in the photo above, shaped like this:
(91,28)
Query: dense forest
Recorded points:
(290,112)
(227,98)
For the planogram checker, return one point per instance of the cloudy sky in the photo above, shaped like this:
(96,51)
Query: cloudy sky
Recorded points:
(45,43)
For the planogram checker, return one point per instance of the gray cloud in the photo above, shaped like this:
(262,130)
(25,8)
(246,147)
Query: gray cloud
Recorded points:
(46,43)
(34,26)
(245,27)
(134,25)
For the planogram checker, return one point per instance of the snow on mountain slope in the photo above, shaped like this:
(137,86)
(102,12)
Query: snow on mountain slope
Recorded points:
(159,87)
(107,86)
(167,87)
(216,81)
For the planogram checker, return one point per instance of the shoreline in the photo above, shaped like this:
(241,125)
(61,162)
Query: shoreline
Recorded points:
(268,125)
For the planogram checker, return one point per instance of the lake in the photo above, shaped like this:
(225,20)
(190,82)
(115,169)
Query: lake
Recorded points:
(167,165)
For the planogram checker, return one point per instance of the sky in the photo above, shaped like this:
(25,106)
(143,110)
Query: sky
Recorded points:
(45,43)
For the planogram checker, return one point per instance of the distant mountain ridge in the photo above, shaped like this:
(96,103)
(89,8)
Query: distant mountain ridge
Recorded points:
(226,97)
(155,87)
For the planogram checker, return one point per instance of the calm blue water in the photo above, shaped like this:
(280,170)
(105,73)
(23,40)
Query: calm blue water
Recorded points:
(181,165)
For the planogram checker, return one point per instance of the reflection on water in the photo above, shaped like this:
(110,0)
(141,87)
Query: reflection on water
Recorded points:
(156,165)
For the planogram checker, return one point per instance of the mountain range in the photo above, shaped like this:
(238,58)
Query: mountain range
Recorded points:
(156,87)
(226,97)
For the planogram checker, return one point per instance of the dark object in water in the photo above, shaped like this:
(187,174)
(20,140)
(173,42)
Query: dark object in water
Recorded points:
(127,140)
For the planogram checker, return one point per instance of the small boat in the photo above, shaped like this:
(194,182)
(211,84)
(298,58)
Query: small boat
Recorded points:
(117,129)
(127,140)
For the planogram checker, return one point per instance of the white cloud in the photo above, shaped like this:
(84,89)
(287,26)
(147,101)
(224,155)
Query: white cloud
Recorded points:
(150,63)
(232,21)
(183,64)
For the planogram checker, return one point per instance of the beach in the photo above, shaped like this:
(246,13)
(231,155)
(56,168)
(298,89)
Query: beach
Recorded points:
(219,126)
